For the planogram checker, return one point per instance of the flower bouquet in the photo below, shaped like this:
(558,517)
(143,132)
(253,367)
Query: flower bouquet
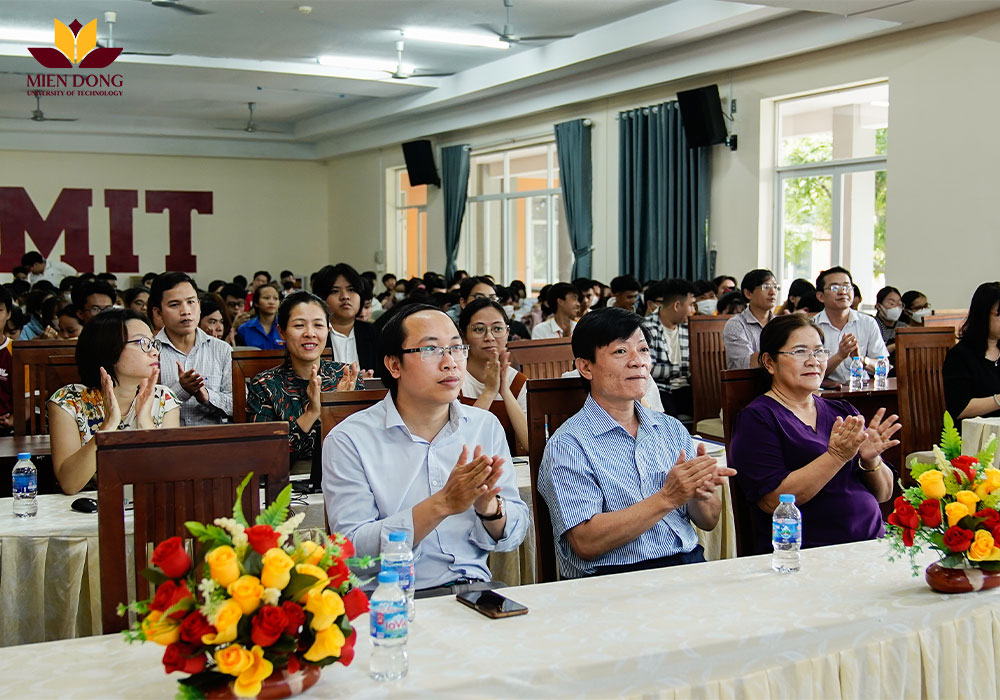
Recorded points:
(952,509)
(260,605)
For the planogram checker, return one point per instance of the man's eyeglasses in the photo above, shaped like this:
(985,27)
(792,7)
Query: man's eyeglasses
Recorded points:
(146,344)
(838,288)
(771,287)
(434,353)
(821,354)
(480,295)
(479,331)
(94,310)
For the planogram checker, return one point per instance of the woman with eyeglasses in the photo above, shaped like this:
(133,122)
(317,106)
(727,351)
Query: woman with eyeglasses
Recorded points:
(972,367)
(789,440)
(119,363)
(490,382)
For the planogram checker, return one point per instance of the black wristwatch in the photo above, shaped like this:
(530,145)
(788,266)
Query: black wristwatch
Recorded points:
(496,516)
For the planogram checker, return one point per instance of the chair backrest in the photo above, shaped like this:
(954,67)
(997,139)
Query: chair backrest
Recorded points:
(28,376)
(247,364)
(335,406)
(708,359)
(920,354)
(542,359)
(953,320)
(60,370)
(550,403)
(739,388)
(177,474)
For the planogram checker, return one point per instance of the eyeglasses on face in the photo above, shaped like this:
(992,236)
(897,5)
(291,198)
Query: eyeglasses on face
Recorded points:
(146,344)
(434,353)
(95,309)
(479,331)
(838,288)
(802,354)
(480,295)
(770,286)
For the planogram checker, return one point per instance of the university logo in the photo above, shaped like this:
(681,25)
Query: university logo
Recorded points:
(76,45)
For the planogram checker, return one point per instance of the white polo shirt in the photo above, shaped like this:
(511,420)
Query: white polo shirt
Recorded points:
(864,328)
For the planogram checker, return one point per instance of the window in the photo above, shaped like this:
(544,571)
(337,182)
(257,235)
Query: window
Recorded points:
(831,185)
(514,226)
(411,226)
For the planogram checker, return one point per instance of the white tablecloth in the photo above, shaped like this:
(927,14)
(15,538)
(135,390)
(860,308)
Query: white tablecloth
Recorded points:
(976,433)
(850,624)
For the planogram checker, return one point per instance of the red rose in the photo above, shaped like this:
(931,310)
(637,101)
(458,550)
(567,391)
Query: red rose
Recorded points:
(346,547)
(170,556)
(958,539)
(194,627)
(338,572)
(930,512)
(995,531)
(992,517)
(295,616)
(184,658)
(355,603)
(268,624)
(293,663)
(904,515)
(966,465)
(262,538)
(347,651)
(169,594)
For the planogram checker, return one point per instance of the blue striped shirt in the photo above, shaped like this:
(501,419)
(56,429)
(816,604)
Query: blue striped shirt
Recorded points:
(593,465)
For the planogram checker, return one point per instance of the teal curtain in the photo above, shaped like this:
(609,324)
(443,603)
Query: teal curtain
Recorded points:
(455,183)
(576,178)
(663,193)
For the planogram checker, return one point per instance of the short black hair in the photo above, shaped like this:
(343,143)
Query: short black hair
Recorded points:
(820,284)
(263,272)
(754,279)
(388,276)
(6,300)
(17,319)
(722,278)
(625,283)
(232,290)
(101,343)
(85,288)
(560,290)
(293,300)
(370,275)
(731,303)
(470,283)
(322,285)
(46,285)
(19,288)
(602,327)
(884,292)
(209,306)
(66,283)
(164,283)
(107,276)
(215,285)
(20,270)
(149,277)
(257,292)
(670,290)
(133,294)
(70,311)
(30,258)
(286,273)
(391,339)
(703,287)
(240,281)
(473,308)
(911,296)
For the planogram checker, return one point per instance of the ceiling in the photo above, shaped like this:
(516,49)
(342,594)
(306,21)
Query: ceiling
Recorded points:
(194,101)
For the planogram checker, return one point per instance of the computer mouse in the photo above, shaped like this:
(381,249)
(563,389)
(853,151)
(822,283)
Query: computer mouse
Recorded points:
(84,505)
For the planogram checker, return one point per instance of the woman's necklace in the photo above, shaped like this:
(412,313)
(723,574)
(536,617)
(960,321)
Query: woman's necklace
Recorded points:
(776,395)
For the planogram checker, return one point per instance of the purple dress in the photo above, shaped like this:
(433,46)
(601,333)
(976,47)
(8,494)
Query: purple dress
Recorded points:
(769,442)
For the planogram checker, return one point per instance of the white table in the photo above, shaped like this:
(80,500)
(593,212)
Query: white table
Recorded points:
(850,624)
(975,434)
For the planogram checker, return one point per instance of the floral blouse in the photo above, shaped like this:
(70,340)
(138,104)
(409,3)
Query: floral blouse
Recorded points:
(279,394)
(87,408)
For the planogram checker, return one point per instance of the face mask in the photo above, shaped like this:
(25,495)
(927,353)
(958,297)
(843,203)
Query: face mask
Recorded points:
(400,296)
(509,310)
(707,307)
(893,314)
(920,313)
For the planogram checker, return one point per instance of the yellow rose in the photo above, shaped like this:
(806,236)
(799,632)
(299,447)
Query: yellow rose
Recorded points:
(982,548)
(313,552)
(326,606)
(990,483)
(967,499)
(955,512)
(248,683)
(226,618)
(322,580)
(277,565)
(233,659)
(159,629)
(328,643)
(246,591)
(223,565)
(932,482)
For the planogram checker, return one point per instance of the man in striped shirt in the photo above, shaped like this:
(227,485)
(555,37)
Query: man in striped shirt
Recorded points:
(617,479)
(667,329)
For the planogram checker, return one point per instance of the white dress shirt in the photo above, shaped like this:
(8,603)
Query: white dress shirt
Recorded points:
(375,471)
(550,329)
(864,328)
(344,348)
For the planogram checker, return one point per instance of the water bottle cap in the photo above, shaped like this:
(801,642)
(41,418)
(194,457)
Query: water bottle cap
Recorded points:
(24,455)
(397,536)
(388,577)
(881,357)
(786,498)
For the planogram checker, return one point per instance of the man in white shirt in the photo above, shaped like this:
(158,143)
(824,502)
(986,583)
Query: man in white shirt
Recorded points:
(565,299)
(344,292)
(421,462)
(625,289)
(41,269)
(846,332)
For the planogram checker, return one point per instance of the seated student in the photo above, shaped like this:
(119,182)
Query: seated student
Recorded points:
(847,333)
(724,284)
(971,372)
(741,334)
(915,307)
(213,320)
(91,298)
(888,310)
(705,299)
(68,322)
(15,323)
(791,441)
(37,325)
(668,342)
(261,330)
(856,304)
(118,359)
(232,297)
(342,288)
(6,365)
(625,289)
(215,286)
(490,382)
(136,299)
(291,391)
(564,300)
(731,303)
(197,368)
(617,477)
(799,289)
(518,331)
(422,462)
(470,289)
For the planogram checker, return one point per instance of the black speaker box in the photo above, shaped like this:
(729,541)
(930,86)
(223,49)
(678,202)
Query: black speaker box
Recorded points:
(420,166)
(701,114)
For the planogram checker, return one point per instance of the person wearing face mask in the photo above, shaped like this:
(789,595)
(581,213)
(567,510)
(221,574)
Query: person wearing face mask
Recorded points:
(741,334)
(705,300)
(518,331)
(888,310)
(915,307)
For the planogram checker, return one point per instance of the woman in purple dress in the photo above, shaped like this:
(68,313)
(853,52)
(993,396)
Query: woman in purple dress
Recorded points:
(789,440)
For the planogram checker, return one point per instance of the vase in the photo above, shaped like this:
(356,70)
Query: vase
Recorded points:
(280,684)
(947,580)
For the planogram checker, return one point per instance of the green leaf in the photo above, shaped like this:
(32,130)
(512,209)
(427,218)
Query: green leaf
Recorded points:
(154,576)
(296,584)
(253,563)
(276,513)
(952,561)
(987,454)
(209,534)
(914,496)
(238,505)
(988,565)
(206,680)
(951,439)
(918,468)
(187,692)
(186,604)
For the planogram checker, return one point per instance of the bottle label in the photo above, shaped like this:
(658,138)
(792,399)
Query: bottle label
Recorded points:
(786,532)
(404,569)
(388,619)
(25,485)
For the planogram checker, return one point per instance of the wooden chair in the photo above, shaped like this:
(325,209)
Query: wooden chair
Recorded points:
(550,403)
(178,474)
(950,320)
(28,382)
(708,359)
(739,388)
(335,406)
(920,354)
(247,364)
(542,359)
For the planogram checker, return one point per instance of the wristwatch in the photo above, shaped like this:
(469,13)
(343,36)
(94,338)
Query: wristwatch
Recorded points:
(495,516)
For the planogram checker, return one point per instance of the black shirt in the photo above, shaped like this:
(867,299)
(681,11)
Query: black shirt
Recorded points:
(968,375)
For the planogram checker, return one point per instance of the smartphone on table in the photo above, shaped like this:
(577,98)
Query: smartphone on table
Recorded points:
(491,604)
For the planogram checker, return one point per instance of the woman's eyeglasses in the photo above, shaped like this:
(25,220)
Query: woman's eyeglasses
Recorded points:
(434,353)
(498,331)
(146,344)
(821,354)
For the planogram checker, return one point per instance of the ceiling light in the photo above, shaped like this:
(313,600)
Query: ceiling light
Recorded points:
(442,36)
(374,65)
(23,35)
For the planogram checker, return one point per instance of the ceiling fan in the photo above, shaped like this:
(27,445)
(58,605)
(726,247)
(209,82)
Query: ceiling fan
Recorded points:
(251,126)
(37,115)
(401,73)
(177,5)
(510,37)
(110,18)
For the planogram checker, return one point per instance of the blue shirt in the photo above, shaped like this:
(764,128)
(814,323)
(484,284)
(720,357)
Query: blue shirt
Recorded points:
(252,333)
(375,471)
(593,465)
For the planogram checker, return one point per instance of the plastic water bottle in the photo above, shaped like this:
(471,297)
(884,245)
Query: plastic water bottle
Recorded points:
(388,627)
(881,372)
(786,535)
(24,485)
(398,557)
(857,373)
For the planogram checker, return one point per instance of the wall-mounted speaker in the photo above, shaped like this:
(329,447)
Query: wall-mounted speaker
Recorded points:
(701,114)
(420,166)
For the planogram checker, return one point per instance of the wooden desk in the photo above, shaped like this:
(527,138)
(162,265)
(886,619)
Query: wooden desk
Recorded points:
(37,445)
(868,401)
